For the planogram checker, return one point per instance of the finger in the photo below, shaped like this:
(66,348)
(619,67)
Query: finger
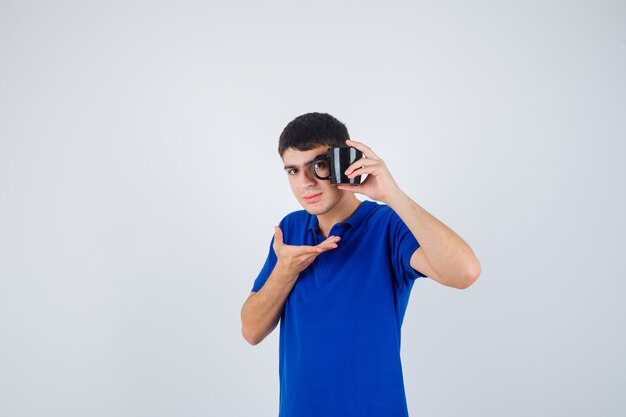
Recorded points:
(326,246)
(367,151)
(332,239)
(353,188)
(359,164)
(329,243)
(305,250)
(373,170)
(309,250)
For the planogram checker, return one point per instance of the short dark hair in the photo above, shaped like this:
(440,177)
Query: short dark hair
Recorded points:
(311,130)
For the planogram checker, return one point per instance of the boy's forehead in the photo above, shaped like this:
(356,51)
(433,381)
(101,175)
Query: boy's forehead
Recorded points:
(293,156)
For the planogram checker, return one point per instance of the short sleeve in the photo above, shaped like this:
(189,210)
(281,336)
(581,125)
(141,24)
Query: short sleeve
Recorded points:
(403,245)
(267,269)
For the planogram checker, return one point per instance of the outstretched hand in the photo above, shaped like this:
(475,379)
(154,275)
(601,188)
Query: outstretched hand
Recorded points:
(379,184)
(295,259)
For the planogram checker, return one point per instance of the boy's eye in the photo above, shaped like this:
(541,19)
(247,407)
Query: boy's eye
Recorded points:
(320,165)
(292,171)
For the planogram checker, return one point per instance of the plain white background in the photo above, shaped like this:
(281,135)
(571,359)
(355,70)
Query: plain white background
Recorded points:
(139,183)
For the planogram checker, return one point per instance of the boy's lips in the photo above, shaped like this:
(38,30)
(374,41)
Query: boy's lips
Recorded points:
(311,197)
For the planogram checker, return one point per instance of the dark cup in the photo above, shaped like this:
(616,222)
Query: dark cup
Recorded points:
(340,159)
(333,165)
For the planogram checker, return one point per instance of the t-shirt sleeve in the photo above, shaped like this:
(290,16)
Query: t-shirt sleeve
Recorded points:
(403,245)
(267,269)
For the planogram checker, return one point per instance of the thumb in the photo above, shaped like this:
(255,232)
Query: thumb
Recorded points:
(278,236)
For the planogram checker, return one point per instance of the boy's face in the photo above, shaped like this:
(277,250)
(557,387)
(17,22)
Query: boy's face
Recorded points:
(314,195)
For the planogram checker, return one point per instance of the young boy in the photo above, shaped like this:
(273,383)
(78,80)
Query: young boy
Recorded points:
(338,277)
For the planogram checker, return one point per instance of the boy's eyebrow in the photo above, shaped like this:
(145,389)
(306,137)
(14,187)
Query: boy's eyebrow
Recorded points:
(305,164)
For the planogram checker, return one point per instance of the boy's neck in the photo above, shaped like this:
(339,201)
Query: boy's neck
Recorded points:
(344,209)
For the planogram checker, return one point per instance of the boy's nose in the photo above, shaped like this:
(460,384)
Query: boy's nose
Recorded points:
(307,178)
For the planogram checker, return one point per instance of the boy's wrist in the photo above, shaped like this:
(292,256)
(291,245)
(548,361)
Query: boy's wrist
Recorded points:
(284,273)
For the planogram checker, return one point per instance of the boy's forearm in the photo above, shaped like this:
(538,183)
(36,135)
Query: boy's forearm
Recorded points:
(262,310)
(447,253)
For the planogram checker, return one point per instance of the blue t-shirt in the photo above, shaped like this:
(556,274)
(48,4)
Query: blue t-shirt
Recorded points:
(340,329)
